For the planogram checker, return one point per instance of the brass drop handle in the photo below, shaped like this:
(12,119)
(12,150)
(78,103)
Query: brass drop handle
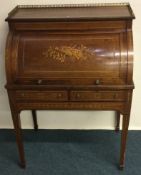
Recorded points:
(39,82)
(97,82)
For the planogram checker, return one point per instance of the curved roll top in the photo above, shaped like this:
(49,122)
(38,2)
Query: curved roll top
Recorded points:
(75,53)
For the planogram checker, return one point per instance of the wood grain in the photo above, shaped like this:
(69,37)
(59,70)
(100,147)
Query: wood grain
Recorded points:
(70,58)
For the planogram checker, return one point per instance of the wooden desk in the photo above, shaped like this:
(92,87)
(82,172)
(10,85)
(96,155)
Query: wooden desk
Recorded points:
(75,57)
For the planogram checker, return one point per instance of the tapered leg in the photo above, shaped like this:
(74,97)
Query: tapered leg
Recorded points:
(125,125)
(34,115)
(117,121)
(18,132)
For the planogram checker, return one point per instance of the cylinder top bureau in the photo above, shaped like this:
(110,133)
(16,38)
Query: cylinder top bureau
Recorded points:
(70,57)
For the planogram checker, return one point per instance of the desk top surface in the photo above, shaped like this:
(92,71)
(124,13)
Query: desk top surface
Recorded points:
(71,12)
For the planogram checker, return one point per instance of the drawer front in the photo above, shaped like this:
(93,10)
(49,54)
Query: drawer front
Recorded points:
(78,57)
(42,96)
(97,96)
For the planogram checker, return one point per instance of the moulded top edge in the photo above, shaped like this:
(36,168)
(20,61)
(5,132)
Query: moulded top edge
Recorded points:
(100,11)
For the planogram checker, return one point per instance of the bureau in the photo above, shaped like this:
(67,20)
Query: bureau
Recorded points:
(70,57)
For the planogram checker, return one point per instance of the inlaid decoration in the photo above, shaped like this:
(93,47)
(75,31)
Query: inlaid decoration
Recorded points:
(73,53)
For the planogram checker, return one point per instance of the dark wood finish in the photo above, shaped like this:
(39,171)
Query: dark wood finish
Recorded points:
(125,125)
(76,12)
(41,96)
(117,121)
(70,58)
(17,125)
(34,115)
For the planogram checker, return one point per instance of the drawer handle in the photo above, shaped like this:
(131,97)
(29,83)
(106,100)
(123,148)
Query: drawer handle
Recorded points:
(77,95)
(59,95)
(39,82)
(97,82)
(22,94)
(115,96)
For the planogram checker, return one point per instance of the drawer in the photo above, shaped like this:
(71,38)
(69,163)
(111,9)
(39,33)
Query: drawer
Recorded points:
(97,96)
(42,96)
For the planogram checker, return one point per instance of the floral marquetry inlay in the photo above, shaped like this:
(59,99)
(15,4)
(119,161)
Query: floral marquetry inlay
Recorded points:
(73,53)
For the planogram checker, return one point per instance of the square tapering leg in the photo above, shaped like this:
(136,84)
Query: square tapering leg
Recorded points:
(117,121)
(18,132)
(124,133)
(34,115)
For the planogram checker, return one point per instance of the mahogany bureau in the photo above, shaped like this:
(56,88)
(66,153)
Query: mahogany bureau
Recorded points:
(70,57)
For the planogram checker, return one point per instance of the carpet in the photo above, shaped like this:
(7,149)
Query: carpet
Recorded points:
(70,152)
